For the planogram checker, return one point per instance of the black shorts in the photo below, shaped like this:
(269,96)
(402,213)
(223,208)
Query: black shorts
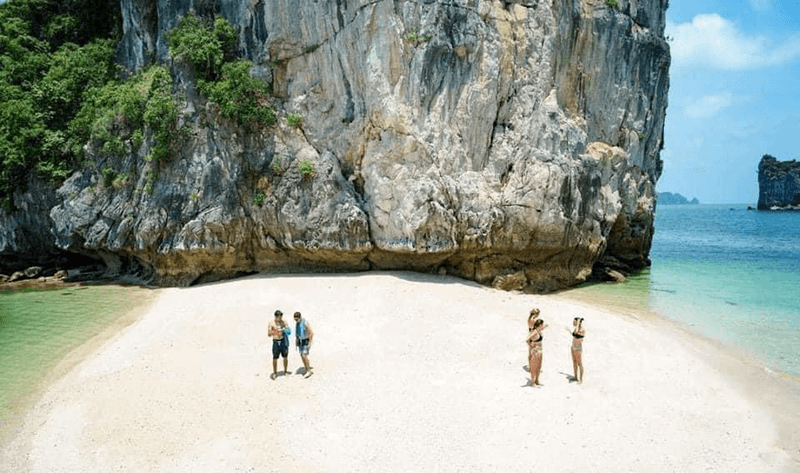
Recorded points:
(303,347)
(280,348)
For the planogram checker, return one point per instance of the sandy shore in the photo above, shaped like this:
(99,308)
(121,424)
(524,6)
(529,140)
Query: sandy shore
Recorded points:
(412,373)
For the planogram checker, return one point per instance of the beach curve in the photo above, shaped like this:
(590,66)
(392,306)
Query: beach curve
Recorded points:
(412,372)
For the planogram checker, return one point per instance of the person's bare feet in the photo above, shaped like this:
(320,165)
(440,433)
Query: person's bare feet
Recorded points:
(273,375)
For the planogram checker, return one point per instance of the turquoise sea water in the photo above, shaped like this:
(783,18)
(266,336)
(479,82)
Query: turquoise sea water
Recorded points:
(728,273)
(732,274)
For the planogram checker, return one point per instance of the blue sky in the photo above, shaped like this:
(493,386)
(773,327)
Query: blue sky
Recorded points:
(734,95)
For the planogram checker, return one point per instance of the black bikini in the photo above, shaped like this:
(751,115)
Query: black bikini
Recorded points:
(576,335)
(531,329)
(540,335)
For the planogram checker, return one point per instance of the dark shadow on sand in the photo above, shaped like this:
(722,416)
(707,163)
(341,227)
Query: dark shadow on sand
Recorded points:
(569,377)
(406,275)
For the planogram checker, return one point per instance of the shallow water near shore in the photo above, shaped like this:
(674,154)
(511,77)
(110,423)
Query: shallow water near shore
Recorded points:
(38,328)
(727,273)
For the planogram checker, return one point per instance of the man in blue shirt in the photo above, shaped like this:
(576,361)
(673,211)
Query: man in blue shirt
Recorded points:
(305,336)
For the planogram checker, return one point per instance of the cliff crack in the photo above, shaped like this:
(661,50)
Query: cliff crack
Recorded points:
(495,124)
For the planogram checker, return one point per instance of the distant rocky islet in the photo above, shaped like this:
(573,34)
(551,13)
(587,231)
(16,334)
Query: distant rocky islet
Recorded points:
(669,198)
(778,184)
(778,187)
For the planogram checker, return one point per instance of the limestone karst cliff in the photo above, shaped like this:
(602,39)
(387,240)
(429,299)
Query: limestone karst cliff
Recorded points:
(514,143)
(778,183)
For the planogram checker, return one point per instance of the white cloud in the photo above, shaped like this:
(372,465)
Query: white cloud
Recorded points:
(761,5)
(712,41)
(708,105)
(697,141)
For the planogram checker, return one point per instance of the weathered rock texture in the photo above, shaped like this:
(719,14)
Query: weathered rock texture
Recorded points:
(778,184)
(25,237)
(518,145)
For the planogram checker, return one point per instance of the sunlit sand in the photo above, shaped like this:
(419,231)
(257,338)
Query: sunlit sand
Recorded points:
(411,373)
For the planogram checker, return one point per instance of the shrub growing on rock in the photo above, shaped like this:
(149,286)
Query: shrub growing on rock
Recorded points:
(108,176)
(294,119)
(306,168)
(227,83)
(127,111)
(198,44)
(239,95)
(275,165)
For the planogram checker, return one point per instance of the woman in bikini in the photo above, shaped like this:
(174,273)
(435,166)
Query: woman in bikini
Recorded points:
(532,318)
(578,332)
(534,342)
(534,314)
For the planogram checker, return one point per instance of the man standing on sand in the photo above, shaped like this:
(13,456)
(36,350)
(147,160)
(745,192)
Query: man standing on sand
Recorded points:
(305,336)
(279,331)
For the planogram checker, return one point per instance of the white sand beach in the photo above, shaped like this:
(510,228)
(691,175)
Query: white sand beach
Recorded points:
(412,372)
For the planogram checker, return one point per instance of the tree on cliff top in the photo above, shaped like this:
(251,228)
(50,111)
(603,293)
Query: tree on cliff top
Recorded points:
(777,169)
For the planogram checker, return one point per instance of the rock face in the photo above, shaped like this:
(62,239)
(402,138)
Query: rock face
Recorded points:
(25,237)
(778,184)
(511,142)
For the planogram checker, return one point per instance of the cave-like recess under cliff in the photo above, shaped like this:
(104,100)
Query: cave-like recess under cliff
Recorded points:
(515,143)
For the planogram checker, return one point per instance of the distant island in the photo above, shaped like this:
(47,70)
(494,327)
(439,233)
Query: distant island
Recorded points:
(668,198)
(778,184)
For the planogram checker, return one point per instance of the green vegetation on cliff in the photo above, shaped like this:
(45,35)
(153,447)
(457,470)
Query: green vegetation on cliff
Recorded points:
(239,95)
(224,81)
(52,56)
(123,113)
(61,88)
(204,46)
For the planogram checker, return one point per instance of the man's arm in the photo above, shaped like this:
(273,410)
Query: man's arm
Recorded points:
(309,332)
